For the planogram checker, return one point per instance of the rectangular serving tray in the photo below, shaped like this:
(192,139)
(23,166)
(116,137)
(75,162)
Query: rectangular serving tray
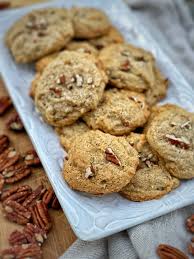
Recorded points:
(93,217)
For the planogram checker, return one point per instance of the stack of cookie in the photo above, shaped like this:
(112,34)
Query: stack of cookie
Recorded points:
(99,93)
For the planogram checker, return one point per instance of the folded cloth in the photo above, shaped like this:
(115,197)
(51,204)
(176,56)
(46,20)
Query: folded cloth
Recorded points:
(171,24)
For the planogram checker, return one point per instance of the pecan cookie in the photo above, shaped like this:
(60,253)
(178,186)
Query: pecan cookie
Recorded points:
(68,134)
(120,112)
(113,36)
(69,86)
(134,69)
(100,163)
(89,22)
(39,33)
(151,180)
(170,133)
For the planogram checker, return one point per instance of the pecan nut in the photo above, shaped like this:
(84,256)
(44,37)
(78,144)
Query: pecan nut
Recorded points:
(190,223)
(5,102)
(40,216)
(4,142)
(31,158)
(50,199)
(166,251)
(18,194)
(14,123)
(8,158)
(4,5)
(15,212)
(111,157)
(2,182)
(34,234)
(17,238)
(22,251)
(191,246)
(16,173)
(34,196)
(182,142)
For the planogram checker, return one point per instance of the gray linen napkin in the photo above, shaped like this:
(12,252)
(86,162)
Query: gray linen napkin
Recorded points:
(171,24)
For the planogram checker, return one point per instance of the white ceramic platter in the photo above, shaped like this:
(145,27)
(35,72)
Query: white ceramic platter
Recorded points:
(93,217)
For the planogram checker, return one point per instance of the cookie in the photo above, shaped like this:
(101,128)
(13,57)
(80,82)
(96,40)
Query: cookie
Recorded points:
(82,46)
(99,163)
(134,69)
(68,134)
(119,113)
(170,133)
(39,33)
(43,62)
(89,22)
(113,36)
(151,180)
(69,86)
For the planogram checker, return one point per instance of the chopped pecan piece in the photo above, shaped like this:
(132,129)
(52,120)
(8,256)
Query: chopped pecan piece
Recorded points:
(34,234)
(89,172)
(40,216)
(166,251)
(34,196)
(5,103)
(16,173)
(178,142)
(191,246)
(126,66)
(4,142)
(18,194)
(8,158)
(14,123)
(190,223)
(22,251)
(2,182)
(61,80)
(16,212)
(17,238)
(31,158)
(111,157)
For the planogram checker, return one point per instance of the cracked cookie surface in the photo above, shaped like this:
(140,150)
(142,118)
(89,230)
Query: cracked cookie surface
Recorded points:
(120,112)
(170,133)
(69,86)
(134,69)
(151,180)
(100,163)
(39,33)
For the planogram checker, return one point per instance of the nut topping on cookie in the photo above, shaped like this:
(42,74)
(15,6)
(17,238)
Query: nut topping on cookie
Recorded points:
(111,157)
(186,125)
(79,80)
(61,80)
(89,172)
(178,142)
(125,66)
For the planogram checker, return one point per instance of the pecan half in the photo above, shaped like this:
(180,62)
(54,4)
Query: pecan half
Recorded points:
(17,238)
(8,158)
(50,199)
(40,216)
(31,158)
(18,194)
(2,182)
(15,212)
(16,173)
(5,103)
(191,246)
(34,196)
(4,142)
(14,123)
(166,252)
(34,234)
(111,157)
(178,142)
(190,223)
(22,251)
